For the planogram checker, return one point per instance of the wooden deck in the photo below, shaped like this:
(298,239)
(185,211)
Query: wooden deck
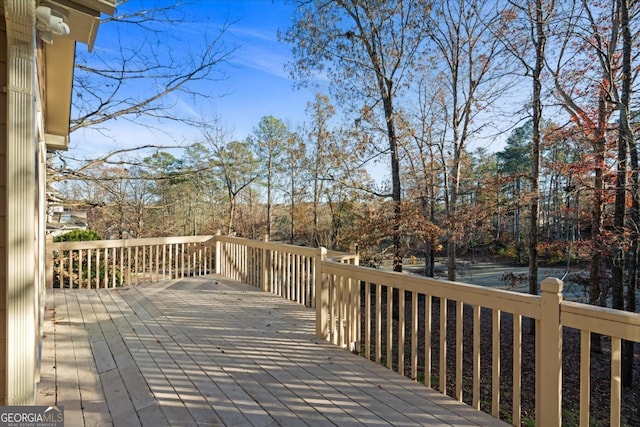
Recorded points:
(207,351)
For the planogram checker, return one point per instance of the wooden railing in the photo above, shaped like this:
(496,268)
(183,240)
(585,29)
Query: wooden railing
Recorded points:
(363,304)
(448,335)
(615,324)
(285,270)
(111,263)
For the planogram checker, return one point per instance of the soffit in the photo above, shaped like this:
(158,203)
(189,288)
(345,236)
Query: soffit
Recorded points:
(83,18)
(58,81)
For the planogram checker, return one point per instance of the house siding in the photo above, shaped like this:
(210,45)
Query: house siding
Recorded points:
(3,212)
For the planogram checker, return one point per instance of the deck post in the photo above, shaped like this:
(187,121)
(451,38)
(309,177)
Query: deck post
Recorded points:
(218,250)
(322,295)
(48,261)
(549,371)
(265,266)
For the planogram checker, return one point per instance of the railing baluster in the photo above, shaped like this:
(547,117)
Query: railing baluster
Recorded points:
(182,260)
(144,263)
(80,278)
(71,269)
(340,309)
(585,376)
(279,273)
(89,256)
(401,330)
(427,339)
(113,267)
(414,336)
(389,327)
(378,313)
(367,320)
(129,281)
(356,327)
(137,266)
(616,382)
(194,258)
(301,279)
(122,275)
(157,270)
(495,369)
(314,265)
(98,268)
(286,275)
(349,307)
(443,345)
(476,356)
(459,349)
(272,272)
(517,368)
(187,257)
(105,268)
(538,327)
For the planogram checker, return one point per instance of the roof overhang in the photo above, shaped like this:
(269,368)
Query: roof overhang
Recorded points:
(58,58)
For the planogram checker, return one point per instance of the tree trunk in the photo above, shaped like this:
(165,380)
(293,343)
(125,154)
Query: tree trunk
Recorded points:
(293,204)
(269,200)
(517,227)
(627,140)
(596,290)
(396,191)
(618,268)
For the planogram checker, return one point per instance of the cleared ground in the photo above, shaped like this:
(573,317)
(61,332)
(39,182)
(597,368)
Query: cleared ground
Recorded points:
(501,276)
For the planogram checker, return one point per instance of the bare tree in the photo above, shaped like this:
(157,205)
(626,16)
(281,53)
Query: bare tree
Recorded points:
(269,141)
(368,50)
(526,42)
(134,78)
(140,78)
(473,73)
(235,165)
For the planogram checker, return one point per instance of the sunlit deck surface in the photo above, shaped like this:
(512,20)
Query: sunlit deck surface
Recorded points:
(207,351)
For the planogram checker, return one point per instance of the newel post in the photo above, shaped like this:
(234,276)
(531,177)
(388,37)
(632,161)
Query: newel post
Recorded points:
(322,296)
(550,370)
(265,265)
(218,251)
(48,260)
(356,251)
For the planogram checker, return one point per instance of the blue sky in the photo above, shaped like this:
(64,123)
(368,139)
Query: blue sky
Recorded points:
(258,83)
(255,82)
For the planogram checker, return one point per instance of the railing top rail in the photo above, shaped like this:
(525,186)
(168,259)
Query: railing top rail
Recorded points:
(602,320)
(340,256)
(277,246)
(499,299)
(125,243)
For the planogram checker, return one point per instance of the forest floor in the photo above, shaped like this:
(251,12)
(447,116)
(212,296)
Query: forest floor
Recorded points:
(509,277)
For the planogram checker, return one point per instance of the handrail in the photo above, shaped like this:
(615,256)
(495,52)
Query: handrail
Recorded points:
(126,243)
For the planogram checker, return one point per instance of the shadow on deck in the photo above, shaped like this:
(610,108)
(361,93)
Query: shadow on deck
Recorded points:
(209,351)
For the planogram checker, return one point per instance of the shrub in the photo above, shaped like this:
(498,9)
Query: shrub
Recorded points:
(78,236)
(80,269)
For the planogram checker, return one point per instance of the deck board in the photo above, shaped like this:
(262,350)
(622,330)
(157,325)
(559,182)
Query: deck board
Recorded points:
(206,351)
